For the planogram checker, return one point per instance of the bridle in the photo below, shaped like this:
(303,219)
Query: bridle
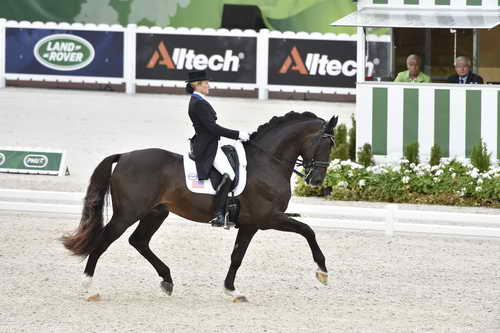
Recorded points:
(312,165)
(308,166)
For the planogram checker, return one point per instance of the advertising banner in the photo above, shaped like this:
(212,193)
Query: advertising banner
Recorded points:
(25,161)
(171,57)
(322,63)
(64,52)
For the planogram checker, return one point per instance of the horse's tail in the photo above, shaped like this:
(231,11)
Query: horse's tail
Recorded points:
(82,241)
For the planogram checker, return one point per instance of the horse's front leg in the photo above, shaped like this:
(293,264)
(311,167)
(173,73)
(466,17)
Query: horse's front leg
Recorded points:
(283,222)
(245,234)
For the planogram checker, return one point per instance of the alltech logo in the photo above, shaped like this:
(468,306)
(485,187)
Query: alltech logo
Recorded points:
(319,64)
(183,58)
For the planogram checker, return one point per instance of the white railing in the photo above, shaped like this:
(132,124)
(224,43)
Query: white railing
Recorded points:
(389,219)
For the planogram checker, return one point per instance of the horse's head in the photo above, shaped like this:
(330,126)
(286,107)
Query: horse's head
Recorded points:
(316,153)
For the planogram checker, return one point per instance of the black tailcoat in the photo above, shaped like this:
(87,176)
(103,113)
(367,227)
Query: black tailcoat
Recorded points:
(208,133)
(472,78)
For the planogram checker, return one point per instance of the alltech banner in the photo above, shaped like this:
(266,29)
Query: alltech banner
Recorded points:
(64,52)
(322,63)
(171,57)
(21,160)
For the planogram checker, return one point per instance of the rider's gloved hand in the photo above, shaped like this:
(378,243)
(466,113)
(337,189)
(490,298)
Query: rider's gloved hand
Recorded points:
(244,136)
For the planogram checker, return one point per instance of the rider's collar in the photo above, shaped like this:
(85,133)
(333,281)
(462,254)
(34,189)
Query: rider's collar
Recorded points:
(200,95)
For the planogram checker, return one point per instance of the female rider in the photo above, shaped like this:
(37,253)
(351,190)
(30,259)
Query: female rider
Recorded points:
(205,146)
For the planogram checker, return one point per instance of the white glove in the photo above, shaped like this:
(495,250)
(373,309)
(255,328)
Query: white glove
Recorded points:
(244,136)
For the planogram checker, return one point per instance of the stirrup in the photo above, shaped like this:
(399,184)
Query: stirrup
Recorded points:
(217,221)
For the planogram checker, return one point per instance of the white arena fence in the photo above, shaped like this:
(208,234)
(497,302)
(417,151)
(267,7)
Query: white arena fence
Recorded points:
(153,56)
(389,219)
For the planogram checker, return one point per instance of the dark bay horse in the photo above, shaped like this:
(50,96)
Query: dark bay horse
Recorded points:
(148,184)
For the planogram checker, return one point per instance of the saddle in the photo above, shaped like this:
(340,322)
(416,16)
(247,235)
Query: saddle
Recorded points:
(233,203)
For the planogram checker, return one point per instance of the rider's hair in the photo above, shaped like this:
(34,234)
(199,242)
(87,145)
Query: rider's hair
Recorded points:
(190,86)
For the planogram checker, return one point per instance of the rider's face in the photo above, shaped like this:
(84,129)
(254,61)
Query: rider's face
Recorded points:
(203,87)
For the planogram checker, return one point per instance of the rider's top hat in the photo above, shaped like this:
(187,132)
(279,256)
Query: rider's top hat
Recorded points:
(197,76)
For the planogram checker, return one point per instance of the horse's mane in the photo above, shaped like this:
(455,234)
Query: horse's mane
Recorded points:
(275,122)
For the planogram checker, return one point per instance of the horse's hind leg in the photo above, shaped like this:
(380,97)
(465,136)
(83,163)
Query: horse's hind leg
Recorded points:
(114,229)
(140,240)
(245,235)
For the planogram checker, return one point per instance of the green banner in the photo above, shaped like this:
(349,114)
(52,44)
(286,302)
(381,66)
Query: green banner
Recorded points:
(31,161)
(290,15)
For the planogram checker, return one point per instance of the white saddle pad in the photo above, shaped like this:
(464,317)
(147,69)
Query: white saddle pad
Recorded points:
(205,186)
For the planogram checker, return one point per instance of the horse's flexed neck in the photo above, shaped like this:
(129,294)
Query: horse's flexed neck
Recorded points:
(284,137)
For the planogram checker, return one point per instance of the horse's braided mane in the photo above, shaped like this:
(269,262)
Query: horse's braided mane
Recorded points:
(275,122)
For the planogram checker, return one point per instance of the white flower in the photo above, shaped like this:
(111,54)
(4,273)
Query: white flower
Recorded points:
(435,179)
(439,172)
(479,181)
(335,161)
(412,165)
(453,175)
(350,174)
(405,179)
(461,192)
(473,173)
(434,167)
(478,189)
(344,163)
(361,183)
(396,168)
(343,184)
(404,160)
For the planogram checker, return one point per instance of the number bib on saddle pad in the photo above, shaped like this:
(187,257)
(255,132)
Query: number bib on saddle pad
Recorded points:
(205,186)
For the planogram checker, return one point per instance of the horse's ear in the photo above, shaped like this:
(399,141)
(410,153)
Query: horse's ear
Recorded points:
(331,124)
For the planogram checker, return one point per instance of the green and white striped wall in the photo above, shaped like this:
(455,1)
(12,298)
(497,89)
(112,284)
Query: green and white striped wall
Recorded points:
(391,115)
(473,4)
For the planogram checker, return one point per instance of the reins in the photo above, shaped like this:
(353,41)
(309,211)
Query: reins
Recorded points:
(308,166)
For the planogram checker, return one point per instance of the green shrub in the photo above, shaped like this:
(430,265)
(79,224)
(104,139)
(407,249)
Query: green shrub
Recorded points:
(450,183)
(340,152)
(341,134)
(435,155)
(365,155)
(352,140)
(479,156)
(411,153)
(341,149)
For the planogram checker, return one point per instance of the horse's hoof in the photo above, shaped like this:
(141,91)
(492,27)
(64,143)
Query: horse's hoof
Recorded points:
(240,299)
(322,277)
(167,287)
(235,295)
(93,298)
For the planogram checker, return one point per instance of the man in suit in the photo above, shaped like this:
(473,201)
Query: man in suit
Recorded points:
(205,143)
(463,73)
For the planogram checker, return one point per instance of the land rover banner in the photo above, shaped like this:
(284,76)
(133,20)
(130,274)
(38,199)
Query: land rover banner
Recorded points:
(64,52)
(32,161)
(171,57)
(322,63)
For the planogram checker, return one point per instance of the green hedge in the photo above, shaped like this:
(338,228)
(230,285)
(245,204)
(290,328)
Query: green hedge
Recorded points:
(448,183)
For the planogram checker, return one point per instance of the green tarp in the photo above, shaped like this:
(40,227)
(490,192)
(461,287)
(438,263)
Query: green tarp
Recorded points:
(283,15)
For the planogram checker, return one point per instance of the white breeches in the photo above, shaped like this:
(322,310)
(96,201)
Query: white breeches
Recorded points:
(222,164)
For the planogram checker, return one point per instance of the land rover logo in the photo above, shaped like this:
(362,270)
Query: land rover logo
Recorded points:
(35,161)
(64,52)
(2,158)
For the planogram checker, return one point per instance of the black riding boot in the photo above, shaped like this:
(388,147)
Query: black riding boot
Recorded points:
(220,201)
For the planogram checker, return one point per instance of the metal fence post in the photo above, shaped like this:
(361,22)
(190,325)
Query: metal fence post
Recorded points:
(389,219)
(3,52)
(129,55)
(262,63)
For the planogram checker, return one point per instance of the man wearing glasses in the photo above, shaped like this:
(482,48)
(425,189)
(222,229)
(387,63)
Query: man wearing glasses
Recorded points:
(463,74)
